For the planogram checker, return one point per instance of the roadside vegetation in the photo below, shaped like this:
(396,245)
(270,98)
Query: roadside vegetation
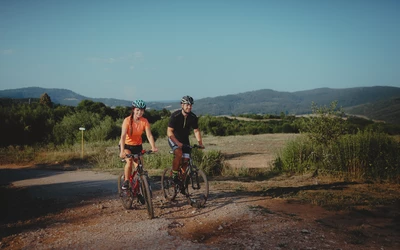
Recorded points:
(332,144)
(329,148)
(353,162)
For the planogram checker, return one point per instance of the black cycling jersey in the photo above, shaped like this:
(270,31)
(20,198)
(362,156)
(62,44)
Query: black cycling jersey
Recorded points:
(182,125)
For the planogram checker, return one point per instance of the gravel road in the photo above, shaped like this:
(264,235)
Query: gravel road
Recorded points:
(49,209)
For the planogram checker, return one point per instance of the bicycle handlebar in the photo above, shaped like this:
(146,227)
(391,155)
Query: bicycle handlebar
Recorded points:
(193,146)
(143,152)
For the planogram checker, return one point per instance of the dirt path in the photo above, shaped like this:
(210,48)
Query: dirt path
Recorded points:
(88,215)
(47,209)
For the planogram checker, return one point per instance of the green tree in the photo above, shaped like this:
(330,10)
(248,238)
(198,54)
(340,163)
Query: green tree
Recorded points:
(94,107)
(107,129)
(45,100)
(67,131)
(159,128)
(326,124)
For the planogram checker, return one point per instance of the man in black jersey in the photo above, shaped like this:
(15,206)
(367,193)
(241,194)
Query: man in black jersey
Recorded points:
(179,126)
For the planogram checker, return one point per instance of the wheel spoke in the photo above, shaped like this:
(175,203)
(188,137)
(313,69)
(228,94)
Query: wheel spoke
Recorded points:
(197,188)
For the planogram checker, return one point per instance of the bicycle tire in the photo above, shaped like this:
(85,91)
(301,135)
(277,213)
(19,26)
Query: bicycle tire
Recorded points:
(167,185)
(196,187)
(124,195)
(147,195)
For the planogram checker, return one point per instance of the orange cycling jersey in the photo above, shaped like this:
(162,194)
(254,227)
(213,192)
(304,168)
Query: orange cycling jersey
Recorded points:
(134,130)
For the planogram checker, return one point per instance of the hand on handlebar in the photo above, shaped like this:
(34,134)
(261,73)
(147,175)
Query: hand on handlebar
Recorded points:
(195,146)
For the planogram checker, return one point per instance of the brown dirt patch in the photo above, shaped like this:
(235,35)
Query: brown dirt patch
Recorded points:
(257,151)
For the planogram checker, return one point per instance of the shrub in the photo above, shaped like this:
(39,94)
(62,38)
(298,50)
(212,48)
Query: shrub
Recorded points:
(325,125)
(211,162)
(298,156)
(367,155)
(364,156)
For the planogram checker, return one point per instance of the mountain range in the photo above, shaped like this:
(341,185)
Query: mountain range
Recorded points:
(378,103)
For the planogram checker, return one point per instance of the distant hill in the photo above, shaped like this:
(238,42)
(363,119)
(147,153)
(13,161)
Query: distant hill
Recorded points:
(379,103)
(59,96)
(268,101)
(385,110)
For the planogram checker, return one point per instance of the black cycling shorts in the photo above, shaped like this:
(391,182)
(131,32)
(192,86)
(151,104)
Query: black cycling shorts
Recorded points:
(174,146)
(134,149)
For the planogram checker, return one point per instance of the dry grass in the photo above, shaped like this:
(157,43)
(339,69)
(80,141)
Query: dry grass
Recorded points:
(249,151)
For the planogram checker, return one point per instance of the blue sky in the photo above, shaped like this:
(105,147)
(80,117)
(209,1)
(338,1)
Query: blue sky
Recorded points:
(162,50)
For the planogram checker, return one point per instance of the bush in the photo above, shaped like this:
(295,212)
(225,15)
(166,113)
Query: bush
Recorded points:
(366,155)
(211,162)
(325,125)
(297,156)
(363,156)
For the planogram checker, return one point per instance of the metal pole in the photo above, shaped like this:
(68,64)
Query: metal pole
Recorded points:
(82,146)
(82,129)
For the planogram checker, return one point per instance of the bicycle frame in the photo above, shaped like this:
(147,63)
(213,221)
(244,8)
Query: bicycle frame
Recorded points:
(194,183)
(139,186)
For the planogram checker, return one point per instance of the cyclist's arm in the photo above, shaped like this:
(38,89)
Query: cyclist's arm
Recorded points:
(122,141)
(199,139)
(170,134)
(151,139)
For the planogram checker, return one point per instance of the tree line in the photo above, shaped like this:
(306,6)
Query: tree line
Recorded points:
(39,121)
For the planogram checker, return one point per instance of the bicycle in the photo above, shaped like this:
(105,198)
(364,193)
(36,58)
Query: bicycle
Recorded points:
(194,183)
(139,186)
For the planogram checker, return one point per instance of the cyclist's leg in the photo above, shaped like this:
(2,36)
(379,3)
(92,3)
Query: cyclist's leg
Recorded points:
(177,157)
(136,149)
(185,158)
(128,164)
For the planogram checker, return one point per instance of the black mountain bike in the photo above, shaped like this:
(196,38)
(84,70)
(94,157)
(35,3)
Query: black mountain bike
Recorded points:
(139,186)
(194,183)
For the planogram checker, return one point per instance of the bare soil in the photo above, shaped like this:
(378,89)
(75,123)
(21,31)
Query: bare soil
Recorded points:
(80,209)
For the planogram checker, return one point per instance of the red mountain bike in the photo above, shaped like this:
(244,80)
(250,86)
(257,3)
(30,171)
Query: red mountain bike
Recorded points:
(139,186)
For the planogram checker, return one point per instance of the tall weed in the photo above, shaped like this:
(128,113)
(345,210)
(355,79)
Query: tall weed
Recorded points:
(298,156)
(368,155)
(210,161)
(363,156)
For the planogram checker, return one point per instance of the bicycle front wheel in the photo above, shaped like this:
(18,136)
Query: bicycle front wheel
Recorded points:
(167,185)
(124,195)
(197,189)
(147,195)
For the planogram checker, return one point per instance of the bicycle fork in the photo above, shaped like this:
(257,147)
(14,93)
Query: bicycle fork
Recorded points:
(194,179)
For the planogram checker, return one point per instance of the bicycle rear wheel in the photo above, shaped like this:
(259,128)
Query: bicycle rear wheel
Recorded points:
(167,185)
(124,195)
(145,188)
(197,189)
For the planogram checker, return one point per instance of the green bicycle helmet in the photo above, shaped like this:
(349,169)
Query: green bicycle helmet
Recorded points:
(140,104)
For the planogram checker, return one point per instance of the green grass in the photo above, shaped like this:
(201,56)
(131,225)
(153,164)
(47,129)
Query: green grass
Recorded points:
(105,155)
(365,156)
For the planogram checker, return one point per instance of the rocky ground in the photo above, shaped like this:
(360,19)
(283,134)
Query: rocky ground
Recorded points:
(50,211)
